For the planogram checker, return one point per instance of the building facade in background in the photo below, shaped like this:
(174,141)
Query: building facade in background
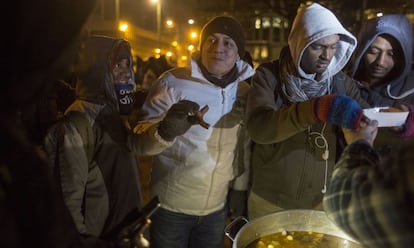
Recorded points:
(267,22)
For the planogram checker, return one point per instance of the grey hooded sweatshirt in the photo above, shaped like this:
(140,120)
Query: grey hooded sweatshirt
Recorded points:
(287,165)
(400,86)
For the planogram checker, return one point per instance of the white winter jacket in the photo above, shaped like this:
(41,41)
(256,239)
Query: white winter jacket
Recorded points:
(191,174)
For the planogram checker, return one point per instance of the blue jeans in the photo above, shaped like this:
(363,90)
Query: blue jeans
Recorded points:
(176,230)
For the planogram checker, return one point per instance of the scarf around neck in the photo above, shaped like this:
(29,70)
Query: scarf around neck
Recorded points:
(296,88)
(230,77)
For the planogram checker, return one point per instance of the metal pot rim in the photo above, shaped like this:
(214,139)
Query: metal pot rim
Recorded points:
(288,220)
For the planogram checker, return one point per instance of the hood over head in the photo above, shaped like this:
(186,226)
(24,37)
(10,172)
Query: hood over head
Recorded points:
(98,57)
(40,46)
(312,23)
(397,26)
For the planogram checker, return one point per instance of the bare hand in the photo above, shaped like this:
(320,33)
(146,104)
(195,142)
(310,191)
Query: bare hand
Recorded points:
(400,108)
(367,131)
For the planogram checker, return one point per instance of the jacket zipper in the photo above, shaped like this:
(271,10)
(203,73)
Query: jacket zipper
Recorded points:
(219,149)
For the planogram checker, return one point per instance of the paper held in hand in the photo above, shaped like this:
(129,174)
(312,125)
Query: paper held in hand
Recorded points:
(384,118)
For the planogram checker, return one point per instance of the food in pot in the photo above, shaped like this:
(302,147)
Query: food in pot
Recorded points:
(301,239)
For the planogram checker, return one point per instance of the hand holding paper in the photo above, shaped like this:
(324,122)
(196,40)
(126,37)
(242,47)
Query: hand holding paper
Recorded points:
(387,116)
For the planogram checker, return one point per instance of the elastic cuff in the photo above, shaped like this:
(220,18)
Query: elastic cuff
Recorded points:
(161,140)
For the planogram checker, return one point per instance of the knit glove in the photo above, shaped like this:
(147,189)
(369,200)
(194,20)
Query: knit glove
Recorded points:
(338,110)
(177,120)
(408,127)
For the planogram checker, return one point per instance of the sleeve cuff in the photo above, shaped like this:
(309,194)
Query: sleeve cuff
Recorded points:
(161,140)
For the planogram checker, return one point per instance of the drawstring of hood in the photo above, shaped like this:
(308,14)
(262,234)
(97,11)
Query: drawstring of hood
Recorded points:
(306,30)
(325,155)
(403,95)
(398,27)
(300,86)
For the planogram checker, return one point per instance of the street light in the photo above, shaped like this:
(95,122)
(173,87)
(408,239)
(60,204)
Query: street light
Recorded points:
(158,2)
(117,10)
(123,27)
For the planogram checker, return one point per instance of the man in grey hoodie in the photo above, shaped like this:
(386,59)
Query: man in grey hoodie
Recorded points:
(382,65)
(292,108)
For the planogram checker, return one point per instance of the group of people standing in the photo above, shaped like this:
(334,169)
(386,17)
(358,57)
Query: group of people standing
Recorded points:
(290,134)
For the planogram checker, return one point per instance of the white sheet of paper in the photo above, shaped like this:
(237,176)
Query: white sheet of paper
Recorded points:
(386,119)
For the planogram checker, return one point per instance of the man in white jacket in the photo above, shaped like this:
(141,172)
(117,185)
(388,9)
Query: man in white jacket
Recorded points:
(193,165)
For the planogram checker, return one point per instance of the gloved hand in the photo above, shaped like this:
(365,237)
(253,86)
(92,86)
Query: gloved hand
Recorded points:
(176,122)
(408,127)
(237,203)
(338,110)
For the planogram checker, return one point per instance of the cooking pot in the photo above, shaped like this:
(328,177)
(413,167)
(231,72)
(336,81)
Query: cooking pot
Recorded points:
(243,232)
